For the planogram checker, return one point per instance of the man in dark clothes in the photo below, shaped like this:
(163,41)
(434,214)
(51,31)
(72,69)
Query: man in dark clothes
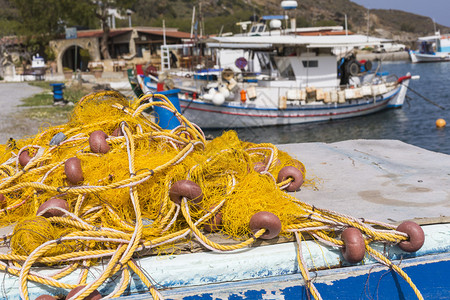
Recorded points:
(173,60)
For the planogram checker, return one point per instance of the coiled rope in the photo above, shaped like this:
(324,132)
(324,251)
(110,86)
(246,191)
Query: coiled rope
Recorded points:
(122,207)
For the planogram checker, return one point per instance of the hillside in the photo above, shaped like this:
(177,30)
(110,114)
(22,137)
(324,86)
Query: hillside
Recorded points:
(221,16)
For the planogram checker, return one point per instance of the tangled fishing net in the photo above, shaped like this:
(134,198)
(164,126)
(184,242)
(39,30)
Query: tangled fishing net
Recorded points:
(111,185)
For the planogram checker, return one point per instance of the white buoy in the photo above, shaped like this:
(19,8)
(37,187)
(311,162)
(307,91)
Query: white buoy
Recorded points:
(224,91)
(275,24)
(218,99)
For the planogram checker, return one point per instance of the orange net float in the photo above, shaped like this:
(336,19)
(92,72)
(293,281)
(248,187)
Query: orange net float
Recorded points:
(243,95)
(98,143)
(294,173)
(265,220)
(416,236)
(354,246)
(185,188)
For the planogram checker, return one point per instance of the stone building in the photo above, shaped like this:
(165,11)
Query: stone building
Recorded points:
(127,46)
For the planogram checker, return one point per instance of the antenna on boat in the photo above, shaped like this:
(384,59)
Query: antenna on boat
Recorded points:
(288,6)
(368,22)
(192,22)
(435,31)
(164,31)
(346,28)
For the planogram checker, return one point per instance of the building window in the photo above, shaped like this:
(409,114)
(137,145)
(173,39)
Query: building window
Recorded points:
(310,63)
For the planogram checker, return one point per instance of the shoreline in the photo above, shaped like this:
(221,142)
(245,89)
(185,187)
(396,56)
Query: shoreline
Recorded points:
(388,56)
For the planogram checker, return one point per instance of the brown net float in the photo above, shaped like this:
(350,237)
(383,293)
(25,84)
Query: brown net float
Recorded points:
(24,158)
(73,171)
(117,132)
(98,143)
(354,247)
(3,202)
(185,188)
(268,221)
(49,208)
(259,166)
(213,224)
(95,295)
(416,236)
(294,173)
(45,297)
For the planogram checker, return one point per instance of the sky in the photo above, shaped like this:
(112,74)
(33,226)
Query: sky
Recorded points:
(439,10)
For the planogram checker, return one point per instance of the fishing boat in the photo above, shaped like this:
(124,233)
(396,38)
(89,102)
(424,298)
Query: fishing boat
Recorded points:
(434,48)
(279,80)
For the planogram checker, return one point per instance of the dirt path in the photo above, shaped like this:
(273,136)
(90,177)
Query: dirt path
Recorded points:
(13,120)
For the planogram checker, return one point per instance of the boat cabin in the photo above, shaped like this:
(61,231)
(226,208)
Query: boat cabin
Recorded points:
(288,61)
(433,44)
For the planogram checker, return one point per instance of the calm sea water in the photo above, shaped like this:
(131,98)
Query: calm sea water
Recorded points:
(414,123)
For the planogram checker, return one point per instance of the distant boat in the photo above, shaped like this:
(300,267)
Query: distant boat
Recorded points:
(434,48)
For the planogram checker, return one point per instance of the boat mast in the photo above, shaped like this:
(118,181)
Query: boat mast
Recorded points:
(192,22)
(368,22)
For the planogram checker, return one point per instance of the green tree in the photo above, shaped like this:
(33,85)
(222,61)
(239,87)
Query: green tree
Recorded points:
(43,20)
(101,9)
(38,22)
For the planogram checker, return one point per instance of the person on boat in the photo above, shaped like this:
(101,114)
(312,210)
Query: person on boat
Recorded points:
(173,60)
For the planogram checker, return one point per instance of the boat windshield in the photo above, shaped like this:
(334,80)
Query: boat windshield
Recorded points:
(285,68)
(267,64)
(274,66)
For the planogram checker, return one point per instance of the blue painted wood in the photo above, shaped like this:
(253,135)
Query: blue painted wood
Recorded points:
(429,273)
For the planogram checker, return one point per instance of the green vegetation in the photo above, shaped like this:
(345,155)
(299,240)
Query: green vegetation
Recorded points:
(39,21)
(40,106)
(407,27)
(44,98)
(42,20)
(71,94)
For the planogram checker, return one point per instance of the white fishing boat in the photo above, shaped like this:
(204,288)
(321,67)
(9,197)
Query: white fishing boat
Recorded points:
(272,74)
(282,79)
(434,48)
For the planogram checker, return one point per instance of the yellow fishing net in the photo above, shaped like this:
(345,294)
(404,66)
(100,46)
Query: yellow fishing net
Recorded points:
(122,204)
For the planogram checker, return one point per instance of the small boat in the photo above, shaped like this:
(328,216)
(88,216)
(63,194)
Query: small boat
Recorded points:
(434,48)
(279,80)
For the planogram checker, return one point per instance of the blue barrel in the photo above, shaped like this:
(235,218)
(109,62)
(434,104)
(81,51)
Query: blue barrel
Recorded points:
(57,91)
(165,118)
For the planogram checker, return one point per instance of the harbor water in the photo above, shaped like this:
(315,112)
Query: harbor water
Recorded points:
(413,124)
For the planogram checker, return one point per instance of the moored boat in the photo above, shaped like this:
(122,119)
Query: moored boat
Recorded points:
(279,80)
(434,48)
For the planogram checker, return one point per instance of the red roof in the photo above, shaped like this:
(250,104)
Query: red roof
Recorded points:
(115,32)
(99,33)
(169,33)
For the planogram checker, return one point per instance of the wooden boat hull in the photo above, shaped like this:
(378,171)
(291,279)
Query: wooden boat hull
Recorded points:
(271,272)
(357,282)
(421,58)
(232,115)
